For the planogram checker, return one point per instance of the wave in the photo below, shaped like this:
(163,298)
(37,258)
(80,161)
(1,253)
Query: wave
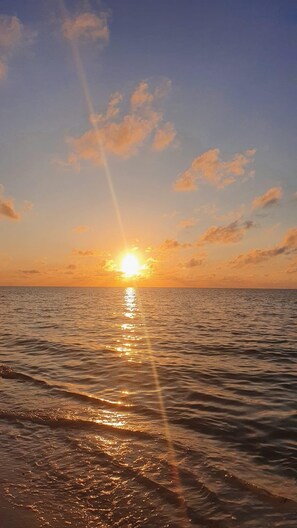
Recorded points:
(210,500)
(9,373)
(276,500)
(64,422)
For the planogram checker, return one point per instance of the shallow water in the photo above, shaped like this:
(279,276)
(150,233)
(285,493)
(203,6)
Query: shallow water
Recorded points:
(149,408)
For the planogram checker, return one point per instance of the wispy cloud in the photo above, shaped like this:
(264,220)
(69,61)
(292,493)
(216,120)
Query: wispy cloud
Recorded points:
(123,136)
(271,197)
(29,272)
(164,137)
(193,262)
(228,234)
(85,252)
(256,256)
(81,229)
(292,268)
(13,35)
(187,223)
(7,209)
(87,26)
(3,69)
(174,244)
(210,168)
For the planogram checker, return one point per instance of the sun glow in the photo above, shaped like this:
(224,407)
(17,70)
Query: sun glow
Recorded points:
(130,266)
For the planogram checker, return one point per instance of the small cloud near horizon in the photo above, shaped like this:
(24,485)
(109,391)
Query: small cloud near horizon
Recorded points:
(255,256)
(81,229)
(174,244)
(193,262)
(85,252)
(187,223)
(229,234)
(29,272)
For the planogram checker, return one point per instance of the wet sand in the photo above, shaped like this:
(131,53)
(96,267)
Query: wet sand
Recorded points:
(13,517)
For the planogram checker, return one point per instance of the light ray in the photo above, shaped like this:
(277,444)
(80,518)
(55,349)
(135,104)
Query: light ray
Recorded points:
(90,109)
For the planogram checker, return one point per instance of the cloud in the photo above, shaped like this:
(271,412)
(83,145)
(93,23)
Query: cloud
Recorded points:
(209,167)
(3,70)
(187,223)
(71,267)
(292,268)
(271,197)
(143,97)
(7,209)
(13,35)
(174,244)
(256,256)
(87,26)
(164,137)
(84,252)
(290,239)
(29,272)
(193,262)
(81,229)
(28,206)
(229,234)
(123,136)
(11,32)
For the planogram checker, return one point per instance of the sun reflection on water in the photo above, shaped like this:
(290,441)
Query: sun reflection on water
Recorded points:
(130,337)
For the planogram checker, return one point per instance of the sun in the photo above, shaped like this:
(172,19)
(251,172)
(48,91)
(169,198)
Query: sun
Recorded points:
(130,266)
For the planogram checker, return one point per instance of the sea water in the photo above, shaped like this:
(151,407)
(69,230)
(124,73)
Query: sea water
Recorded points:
(149,407)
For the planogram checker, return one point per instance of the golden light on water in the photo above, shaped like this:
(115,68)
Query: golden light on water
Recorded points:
(130,265)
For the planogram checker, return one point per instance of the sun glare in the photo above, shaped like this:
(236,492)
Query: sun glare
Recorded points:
(130,266)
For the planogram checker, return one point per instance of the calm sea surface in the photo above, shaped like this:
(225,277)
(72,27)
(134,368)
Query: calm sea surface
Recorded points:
(149,408)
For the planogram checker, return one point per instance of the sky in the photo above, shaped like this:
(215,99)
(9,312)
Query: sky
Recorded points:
(163,129)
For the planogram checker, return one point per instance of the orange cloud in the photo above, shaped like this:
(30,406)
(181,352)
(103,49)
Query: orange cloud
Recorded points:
(174,244)
(193,262)
(164,137)
(7,209)
(81,229)
(141,96)
(187,223)
(112,110)
(87,26)
(271,197)
(292,268)
(229,234)
(290,239)
(3,70)
(29,272)
(256,256)
(209,167)
(84,252)
(12,35)
(124,137)
(11,32)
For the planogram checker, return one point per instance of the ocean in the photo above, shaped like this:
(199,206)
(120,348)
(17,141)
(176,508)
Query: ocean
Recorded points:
(148,408)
